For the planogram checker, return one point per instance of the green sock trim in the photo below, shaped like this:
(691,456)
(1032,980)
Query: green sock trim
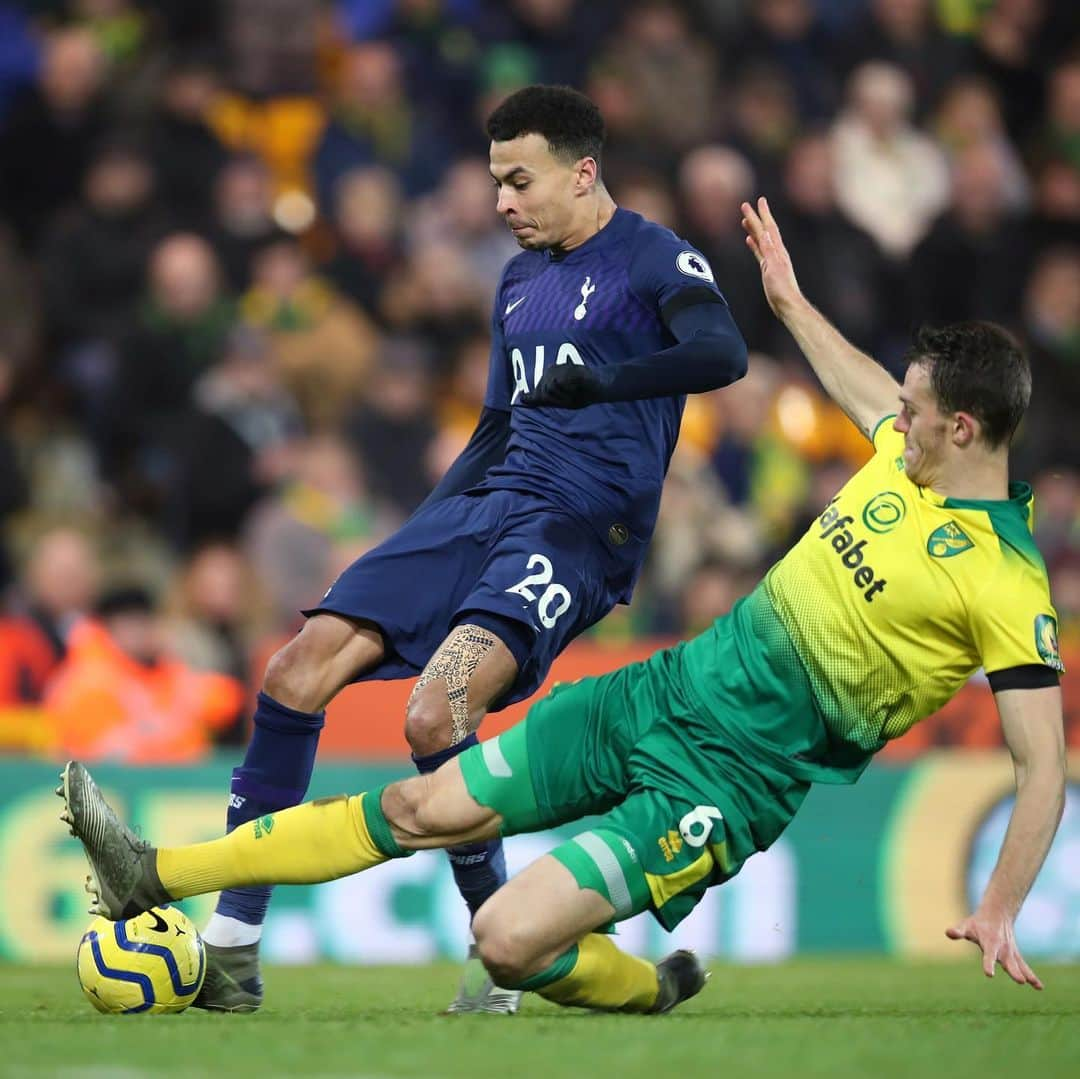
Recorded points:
(557,971)
(378,826)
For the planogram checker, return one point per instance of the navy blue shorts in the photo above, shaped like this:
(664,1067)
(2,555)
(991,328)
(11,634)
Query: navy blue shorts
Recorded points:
(533,574)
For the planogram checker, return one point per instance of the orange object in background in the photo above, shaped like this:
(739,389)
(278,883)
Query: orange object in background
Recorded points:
(368,719)
(104,705)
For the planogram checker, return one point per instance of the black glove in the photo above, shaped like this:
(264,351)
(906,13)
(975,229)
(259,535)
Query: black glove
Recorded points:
(566,385)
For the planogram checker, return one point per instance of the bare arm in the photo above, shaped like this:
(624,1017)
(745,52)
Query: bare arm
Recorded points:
(855,381)
(1034,732)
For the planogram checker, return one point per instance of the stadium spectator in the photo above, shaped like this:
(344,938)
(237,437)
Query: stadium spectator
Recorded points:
(754,459)
(186,153)
(969,114)
(1007,47)
(215,617)
(57,587)
(183,321)
(891,179)
(59,584)
(840,267)
(323,345)
(372,122)
(973,262)
(215,611)
(394,429)
(441,44)
(94,257)
(119,696)
(1052,327)
(235,445)
(1056,219)
(713,180)
(437,296)
(697,523)
(1060,137)
(180,331)
(50,133)
(764,122)
(368,226)
(319,520)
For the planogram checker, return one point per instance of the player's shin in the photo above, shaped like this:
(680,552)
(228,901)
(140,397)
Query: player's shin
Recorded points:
(307,844)
(275,775)
(596,974)
(479,868)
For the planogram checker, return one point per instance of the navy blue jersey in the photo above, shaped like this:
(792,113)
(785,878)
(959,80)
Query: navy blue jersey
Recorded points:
(599,304)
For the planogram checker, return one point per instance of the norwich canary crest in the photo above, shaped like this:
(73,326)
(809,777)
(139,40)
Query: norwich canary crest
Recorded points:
(948,540)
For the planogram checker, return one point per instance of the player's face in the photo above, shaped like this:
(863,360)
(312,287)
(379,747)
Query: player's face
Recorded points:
(536,190)
(924,426)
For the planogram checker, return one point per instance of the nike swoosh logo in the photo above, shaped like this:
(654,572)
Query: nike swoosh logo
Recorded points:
(510,306)
(160,925)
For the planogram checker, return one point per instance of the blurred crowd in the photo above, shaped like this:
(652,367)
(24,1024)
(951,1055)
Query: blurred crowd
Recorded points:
(248,250)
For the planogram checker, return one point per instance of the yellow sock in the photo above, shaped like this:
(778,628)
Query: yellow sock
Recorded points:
(605,977)
(307,844)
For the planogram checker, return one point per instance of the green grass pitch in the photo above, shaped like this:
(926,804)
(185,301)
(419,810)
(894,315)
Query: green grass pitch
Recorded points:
(828,1017)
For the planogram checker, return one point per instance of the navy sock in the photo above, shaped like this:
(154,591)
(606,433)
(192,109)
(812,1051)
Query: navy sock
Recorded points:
(275,775)
(479,868)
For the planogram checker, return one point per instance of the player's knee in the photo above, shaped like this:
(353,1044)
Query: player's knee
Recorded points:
(295,674)
(407,810)
(505,952)
(428,726)
(282,679)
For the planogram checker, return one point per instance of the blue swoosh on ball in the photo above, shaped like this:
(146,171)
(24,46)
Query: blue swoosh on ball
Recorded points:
(163,953)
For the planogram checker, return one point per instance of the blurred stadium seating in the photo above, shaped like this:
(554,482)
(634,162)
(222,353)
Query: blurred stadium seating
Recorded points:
(247,253)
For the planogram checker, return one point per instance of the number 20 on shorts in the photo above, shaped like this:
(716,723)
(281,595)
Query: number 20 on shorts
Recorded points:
(554,601)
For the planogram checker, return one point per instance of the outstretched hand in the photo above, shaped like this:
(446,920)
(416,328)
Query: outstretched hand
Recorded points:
(995,937)
(777,274)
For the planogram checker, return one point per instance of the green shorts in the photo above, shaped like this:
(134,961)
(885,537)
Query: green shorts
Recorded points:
(680,808)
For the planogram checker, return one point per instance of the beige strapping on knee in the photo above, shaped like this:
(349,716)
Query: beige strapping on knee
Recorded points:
(455,663)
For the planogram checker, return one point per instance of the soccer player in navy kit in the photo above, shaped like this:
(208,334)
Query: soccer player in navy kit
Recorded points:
(600,327)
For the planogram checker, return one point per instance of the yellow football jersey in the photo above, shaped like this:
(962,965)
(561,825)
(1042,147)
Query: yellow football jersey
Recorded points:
(896,595)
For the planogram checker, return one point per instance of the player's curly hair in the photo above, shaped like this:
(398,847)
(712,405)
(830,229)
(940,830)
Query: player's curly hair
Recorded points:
(570,122)
(979,368)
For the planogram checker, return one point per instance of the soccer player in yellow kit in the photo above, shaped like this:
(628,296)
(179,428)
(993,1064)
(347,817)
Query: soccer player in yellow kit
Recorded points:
(919,571)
